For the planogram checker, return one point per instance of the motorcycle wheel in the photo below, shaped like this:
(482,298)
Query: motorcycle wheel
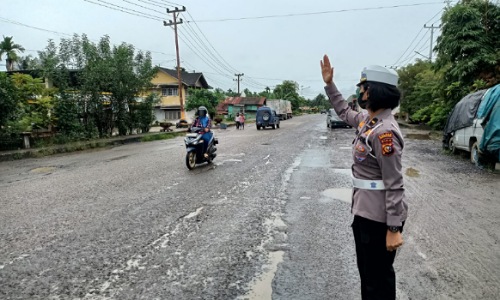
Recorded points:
(190,160)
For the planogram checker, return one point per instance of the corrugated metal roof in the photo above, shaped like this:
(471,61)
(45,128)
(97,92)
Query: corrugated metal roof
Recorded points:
(245,100)
(189,79)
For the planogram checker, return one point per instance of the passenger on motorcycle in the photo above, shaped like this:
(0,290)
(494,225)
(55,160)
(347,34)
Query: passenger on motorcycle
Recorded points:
(203,121)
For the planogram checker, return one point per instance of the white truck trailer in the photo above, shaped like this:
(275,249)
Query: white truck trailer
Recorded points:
(282,107)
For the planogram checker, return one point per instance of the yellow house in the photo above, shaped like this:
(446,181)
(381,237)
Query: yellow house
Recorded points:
(166,84)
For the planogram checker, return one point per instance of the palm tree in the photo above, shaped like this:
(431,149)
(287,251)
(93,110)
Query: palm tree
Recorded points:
(10,49)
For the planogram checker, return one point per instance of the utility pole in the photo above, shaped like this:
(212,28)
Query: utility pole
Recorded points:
(175,12)
(432,27)
(238,79)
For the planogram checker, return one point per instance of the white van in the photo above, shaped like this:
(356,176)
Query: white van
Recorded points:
(463,130)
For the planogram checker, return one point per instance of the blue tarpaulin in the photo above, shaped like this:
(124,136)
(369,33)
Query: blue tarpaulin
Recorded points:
(489,111)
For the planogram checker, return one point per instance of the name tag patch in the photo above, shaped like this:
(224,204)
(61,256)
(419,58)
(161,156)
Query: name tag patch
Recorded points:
(386,139)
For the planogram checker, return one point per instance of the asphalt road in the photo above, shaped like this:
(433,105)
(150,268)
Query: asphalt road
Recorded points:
(268,220)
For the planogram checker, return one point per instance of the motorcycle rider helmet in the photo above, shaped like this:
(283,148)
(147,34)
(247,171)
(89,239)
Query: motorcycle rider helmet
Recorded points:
(202,111)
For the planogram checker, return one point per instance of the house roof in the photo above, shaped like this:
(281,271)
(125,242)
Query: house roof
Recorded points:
(259,101)
(222,107)
(189,79)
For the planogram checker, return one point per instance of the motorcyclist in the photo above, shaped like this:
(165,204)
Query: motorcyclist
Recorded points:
(203,121)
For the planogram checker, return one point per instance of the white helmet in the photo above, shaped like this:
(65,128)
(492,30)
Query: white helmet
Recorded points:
(379,74)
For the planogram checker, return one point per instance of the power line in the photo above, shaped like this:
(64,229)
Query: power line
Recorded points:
(191,32)
(418,34)
(171,3)
(2,19)
(126,10)
(33,27)
(197,52)
(142,6)
(153,3)
(221,61)
(319,12)
(399,59)
(412,54)
(194,37)
(209,42)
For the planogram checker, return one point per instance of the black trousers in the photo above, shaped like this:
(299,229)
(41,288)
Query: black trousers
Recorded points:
(378,279)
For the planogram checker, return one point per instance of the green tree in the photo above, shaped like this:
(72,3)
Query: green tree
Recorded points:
(249,93)
(34,102)
(267,93)
(288,90)
(8,101)
(231,93)
(320,101)
(468,48)
(67,115)
(142,112)
(202,97)
(408,80)
(219,94)
(29,63)
(10,49)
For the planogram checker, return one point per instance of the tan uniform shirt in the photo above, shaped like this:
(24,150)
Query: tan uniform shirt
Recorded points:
(377,151)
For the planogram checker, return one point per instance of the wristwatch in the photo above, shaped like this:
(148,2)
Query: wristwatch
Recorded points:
(394,229)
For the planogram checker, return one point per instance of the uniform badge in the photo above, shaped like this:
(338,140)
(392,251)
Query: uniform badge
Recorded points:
(387,143)
(360,148)
(360,158)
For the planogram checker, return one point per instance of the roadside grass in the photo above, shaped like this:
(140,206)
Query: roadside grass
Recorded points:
(161,136)
(87,145)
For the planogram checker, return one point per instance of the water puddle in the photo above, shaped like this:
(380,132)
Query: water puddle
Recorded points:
(276,223)
(315,158)
(42,170)
(288,173)
(262,289)
(410,172)
(342,194)
(418,136)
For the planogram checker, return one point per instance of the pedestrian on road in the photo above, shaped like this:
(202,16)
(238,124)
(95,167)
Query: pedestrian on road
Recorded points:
(242,121)
(237,121)
(378,201)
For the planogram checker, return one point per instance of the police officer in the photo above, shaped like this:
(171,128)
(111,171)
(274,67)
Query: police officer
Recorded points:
(378,201)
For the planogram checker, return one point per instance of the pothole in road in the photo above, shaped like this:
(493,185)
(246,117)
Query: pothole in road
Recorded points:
(42,170)
(194,213)
(412,172)
(262,289)
(117,158)
(342,194)
(418,136)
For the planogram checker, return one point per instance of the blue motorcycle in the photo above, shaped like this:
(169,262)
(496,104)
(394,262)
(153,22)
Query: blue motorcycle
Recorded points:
(195,146)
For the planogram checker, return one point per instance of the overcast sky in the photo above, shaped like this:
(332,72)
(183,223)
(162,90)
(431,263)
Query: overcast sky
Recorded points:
(266,50)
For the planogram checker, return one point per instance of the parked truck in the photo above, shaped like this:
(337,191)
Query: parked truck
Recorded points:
(282,107)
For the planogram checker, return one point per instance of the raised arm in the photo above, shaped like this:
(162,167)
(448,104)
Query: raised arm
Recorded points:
(347,114)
